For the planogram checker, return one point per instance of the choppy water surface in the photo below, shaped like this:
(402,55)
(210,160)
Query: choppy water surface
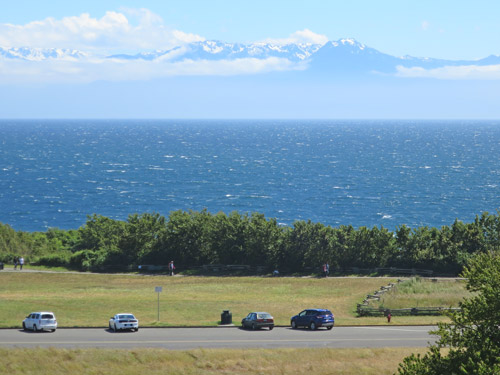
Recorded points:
(366,173)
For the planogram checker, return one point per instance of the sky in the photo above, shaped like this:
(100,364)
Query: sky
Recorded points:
(99,87)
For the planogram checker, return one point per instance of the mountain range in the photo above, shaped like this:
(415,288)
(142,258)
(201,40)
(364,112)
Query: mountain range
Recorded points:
(341,56)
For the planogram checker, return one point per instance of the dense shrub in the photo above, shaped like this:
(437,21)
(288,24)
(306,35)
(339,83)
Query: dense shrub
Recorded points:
(54,260)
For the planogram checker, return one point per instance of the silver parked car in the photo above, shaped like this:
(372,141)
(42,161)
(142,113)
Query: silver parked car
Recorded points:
(40,321)
(255,320)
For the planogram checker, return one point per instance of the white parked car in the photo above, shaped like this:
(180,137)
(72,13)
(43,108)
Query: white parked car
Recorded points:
(40,321)
(124,321)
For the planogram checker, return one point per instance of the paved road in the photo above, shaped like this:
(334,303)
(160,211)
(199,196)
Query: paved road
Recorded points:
(234,337)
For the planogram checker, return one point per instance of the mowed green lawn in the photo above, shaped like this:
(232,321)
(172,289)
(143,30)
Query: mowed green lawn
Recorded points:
(89,300)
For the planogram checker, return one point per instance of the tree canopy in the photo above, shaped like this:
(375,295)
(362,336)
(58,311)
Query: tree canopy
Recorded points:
(195,238)
(472,338)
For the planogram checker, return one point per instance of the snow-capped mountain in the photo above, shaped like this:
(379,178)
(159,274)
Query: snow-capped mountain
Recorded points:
(343,56)
(39,54)
(350,55)
(215,50)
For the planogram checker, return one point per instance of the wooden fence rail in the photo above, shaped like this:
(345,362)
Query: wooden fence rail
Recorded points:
(364,310)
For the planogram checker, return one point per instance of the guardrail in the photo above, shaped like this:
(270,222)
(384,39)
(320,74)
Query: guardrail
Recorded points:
(385,270)
(215,268)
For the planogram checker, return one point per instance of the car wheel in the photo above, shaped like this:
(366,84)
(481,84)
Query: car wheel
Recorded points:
(137,329)
(294,325)
(24,326)
(329,328)
(114,327)
(253,326)
(52,330)
(312,326)
(271,328)
(35,329)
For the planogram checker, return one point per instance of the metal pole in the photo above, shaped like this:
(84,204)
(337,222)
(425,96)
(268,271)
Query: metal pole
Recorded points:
(158,306)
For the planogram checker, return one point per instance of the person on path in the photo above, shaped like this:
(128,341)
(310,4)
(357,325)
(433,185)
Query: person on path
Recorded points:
(326,269)
(171,268)
(21,263)
(16,261)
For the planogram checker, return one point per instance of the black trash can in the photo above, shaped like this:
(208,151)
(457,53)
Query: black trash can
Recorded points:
(226,317)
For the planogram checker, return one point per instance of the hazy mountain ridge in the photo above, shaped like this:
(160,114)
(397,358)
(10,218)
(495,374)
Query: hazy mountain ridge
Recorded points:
(343,55)
(40,54)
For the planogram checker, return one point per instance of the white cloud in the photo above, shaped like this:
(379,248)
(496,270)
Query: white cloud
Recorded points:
(126,31)
(114,32)
(488,72)
(92,69)
(425,25)
(305,36)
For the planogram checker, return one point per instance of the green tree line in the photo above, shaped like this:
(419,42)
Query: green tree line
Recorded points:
(194,238)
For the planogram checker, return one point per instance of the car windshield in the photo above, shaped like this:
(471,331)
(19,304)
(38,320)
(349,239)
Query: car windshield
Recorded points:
(47,316)
(264,316)
(126,317)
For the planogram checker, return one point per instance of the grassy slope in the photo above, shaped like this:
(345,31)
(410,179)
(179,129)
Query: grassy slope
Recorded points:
(90,299)
(425,293)
(202,361)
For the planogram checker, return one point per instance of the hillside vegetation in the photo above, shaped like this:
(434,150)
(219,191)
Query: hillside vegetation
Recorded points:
(194,238)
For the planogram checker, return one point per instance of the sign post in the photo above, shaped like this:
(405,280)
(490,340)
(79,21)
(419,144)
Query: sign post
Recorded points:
(158,289)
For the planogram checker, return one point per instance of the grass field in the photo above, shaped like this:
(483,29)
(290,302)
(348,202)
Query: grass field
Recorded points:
(417,292)
(88,300)
(203,361)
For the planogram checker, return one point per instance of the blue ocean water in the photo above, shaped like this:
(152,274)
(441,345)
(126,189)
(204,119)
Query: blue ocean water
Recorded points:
(363,173)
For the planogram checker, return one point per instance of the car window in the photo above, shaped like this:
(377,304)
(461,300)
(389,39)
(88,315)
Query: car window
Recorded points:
(37,316)
(47,316)
(303,313)
(264,316)
(126,317)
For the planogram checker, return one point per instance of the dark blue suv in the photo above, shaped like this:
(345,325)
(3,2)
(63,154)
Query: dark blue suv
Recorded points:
(313,318)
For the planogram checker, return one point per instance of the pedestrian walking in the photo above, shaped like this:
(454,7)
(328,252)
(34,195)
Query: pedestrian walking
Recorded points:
(171,268)
(21,263)
(16,261)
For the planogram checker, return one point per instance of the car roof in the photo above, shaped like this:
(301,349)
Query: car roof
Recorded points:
(318,309)
(259,312)
(42,312)
(124,314)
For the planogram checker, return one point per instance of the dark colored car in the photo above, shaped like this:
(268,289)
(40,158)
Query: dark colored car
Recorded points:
(256,320)
(313,319)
